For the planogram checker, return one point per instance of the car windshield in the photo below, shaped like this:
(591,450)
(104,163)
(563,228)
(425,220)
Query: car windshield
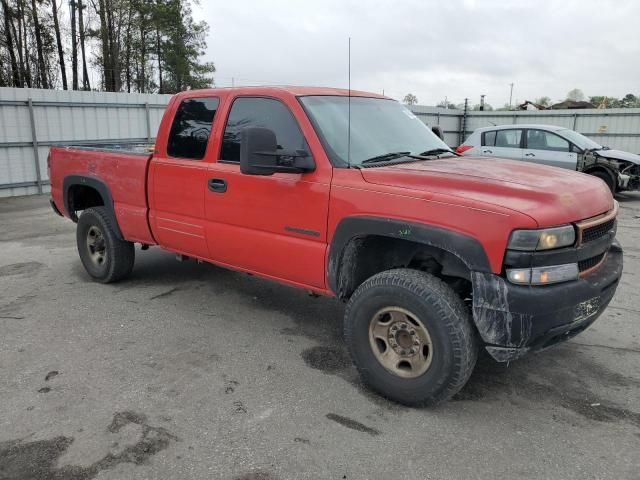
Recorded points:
(378,127)
(579,139)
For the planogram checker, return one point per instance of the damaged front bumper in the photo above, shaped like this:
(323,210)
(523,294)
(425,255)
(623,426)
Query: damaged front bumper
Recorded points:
(514,319)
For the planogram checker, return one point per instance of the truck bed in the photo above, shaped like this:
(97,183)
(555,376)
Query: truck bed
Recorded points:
(122,171)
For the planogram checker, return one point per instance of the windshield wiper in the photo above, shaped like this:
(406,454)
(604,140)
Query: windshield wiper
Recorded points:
(385,157)
(437,151)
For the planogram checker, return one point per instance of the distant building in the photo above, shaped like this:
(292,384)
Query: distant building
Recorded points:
(531,106)
(572,104)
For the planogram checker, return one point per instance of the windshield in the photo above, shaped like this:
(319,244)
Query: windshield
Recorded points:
(579,139)
(378,127)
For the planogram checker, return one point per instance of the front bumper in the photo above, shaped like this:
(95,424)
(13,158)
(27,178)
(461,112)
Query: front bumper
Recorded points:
(514,319)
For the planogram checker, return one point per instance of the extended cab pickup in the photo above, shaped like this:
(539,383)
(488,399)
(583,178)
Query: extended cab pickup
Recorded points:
(351,195)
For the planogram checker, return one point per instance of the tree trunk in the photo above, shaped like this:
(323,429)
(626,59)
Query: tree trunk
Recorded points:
(143,57)
(85,72)
(36,27)
(9,38)
(56,27)
(22,27)
(74,46)
(17,38)
(127,40)
(159,53)
(104,40)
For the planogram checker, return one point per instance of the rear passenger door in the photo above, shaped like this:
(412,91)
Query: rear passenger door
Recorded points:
(505,143)
(177,178)
(542,146)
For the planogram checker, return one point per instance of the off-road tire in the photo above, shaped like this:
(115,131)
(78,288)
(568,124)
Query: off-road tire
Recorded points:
(441,311)
(119,255)
(606,178)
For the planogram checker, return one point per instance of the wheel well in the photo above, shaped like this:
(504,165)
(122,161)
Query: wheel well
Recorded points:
(605,170)
(81,197)
(366,256)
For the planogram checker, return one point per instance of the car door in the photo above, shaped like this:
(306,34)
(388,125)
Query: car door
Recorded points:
(547,148)
(177,178)
(274,225)
(502,143)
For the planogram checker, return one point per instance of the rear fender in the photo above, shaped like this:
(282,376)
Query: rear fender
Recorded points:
(96,184)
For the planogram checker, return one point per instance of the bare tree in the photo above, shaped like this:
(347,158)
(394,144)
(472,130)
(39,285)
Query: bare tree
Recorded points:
(9,39)
(42,69)
(56,26)
(74,45)
(85,72)
(410,99)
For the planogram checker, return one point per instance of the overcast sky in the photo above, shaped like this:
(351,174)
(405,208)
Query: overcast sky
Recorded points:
(433,49)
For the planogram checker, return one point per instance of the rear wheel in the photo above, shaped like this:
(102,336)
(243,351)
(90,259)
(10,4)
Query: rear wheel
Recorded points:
(411,337)
(104,256)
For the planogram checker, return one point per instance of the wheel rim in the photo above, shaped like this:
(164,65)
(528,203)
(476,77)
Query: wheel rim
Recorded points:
(400,342)
(96,246)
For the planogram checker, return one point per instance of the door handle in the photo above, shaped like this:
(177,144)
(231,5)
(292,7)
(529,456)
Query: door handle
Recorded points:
(487,151)
(529,154)
(218,185)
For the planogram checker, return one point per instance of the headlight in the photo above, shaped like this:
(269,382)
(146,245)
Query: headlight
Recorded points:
(543,275)
(544,239)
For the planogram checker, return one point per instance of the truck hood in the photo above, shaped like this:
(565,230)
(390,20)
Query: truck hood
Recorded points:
(619,155)
(549,195)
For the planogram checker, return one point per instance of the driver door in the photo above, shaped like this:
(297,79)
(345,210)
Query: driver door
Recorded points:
(274,225)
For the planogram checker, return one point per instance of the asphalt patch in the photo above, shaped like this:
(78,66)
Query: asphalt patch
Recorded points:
(26,268)
(352,424)
(327,359)
(257,475)
(38,460)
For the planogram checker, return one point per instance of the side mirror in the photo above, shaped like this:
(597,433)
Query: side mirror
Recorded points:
(437,129)
(259,154)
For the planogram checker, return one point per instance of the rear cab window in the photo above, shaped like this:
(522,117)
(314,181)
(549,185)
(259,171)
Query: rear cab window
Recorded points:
(191,128)
(260,112)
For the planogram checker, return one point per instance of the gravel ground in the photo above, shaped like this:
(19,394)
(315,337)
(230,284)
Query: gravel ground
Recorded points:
(192,371)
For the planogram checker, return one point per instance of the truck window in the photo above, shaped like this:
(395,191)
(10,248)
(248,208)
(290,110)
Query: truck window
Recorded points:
(543,140)
(191,127)
(260,112)
(508,138)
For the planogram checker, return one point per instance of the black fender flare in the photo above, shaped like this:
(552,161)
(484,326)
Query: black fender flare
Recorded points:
(468,249)
(98,185)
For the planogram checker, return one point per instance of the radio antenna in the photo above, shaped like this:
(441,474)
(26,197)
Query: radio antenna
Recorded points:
(349,109)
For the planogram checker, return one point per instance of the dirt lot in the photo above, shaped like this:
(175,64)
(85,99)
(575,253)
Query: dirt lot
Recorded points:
(192,371)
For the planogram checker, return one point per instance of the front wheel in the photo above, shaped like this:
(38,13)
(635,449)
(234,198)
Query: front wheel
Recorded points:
(105,257)
(606,178)
(411,337)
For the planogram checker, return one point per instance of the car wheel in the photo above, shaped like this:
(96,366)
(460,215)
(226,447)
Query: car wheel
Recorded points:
(607,178)
(411,337)
(104,256)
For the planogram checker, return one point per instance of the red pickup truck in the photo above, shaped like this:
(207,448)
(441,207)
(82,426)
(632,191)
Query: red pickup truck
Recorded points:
(351,195)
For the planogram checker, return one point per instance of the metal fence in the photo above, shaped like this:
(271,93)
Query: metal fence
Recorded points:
(32,120)
(616,128)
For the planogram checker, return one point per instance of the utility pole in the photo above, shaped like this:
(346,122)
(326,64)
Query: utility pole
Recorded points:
(510,95)
(482,103)
(446,103)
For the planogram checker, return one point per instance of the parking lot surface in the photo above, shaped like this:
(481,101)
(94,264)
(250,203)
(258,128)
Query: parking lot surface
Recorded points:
(188,370)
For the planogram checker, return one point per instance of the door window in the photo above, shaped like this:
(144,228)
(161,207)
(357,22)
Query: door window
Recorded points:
(543,140)
(489,138)
(260,112)
(508,138)
(191,127)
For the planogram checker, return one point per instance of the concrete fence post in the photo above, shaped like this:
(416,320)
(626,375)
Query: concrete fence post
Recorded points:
(148,121)
(34,139)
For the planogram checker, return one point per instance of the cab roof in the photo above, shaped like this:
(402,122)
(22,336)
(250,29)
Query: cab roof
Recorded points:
(297,91)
